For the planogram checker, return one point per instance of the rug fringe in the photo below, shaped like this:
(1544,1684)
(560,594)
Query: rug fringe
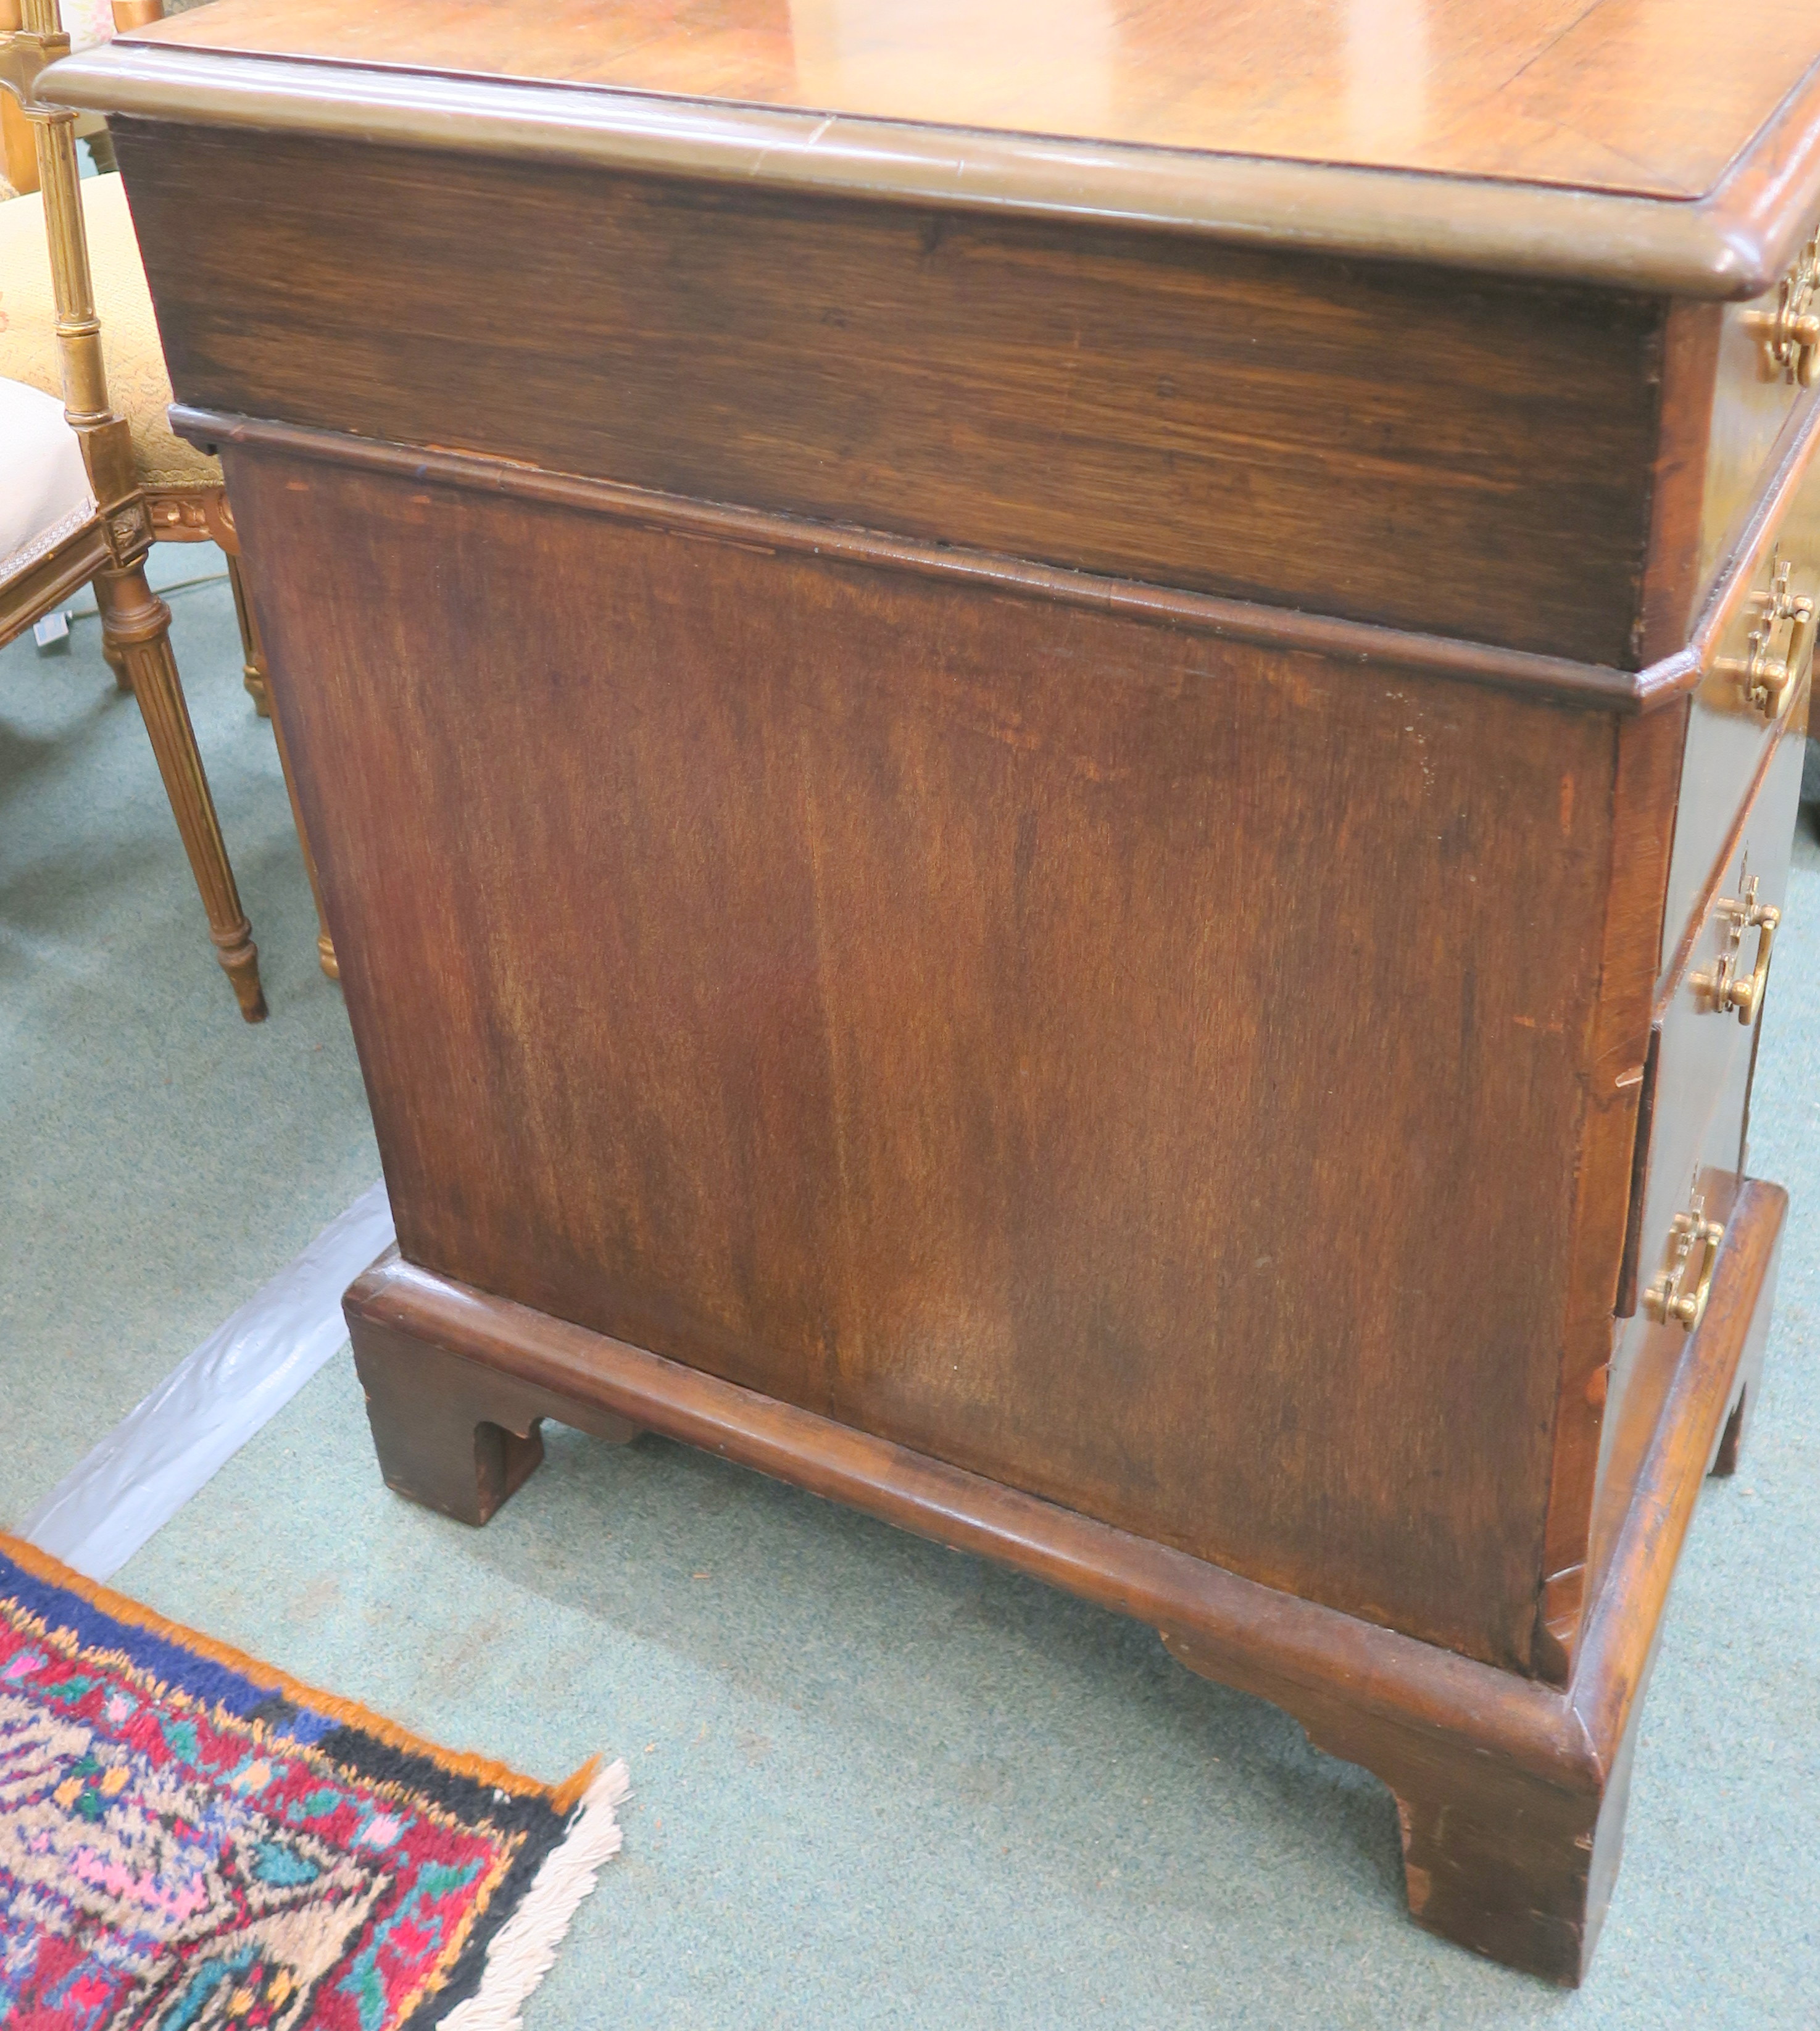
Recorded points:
(524,1949)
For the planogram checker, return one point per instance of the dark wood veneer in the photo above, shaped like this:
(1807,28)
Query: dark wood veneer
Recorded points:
(1452,453)
(913,1093)
(1354,643)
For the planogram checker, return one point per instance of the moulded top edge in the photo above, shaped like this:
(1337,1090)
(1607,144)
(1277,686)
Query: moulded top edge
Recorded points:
(1599,687)
(1658,98)
(1733,243)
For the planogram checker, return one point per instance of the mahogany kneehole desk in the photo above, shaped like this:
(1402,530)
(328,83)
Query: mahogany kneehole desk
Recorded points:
(1078,839)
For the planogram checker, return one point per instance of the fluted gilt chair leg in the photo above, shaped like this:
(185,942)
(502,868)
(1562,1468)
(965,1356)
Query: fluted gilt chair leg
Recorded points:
(136,624)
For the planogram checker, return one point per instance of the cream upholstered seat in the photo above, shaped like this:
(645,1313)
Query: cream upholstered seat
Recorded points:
(136,380)
(45,497)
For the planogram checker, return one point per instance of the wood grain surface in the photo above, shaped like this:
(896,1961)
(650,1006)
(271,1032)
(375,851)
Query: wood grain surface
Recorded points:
(1362,644)
(1511,1795)
(947,1010)
(1359,440)
(1657,96)
(1641,816)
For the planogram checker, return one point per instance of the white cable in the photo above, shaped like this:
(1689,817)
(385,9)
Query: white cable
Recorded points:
(82,607)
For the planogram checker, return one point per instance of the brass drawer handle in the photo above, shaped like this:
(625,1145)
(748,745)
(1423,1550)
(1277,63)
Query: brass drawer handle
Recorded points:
(1746,996)
(1791,332)
(1678,1296)
(1726,987)
(1764,677)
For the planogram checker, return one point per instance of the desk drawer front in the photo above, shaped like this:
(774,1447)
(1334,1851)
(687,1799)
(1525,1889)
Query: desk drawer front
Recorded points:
(1752,692)
(1698,1114)
(1764,379)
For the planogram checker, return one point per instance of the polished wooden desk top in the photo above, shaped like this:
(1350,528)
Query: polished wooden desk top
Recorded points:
(1652,96)
(1670,143)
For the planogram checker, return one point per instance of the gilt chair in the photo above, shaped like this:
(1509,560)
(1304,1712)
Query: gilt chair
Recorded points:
(71,508)
(179,489)
(86,23)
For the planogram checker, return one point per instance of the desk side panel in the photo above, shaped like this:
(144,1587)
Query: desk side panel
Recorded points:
(1425,449)
(1142,1069)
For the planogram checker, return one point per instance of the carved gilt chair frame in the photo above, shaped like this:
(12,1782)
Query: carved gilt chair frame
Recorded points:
(110,551)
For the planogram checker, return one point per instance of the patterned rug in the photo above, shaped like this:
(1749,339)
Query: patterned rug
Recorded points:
(188,1839)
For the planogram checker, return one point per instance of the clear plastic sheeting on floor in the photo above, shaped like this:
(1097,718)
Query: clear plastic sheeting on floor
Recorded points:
(151,1464)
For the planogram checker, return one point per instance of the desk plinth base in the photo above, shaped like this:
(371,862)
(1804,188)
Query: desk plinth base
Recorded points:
(1510,1792)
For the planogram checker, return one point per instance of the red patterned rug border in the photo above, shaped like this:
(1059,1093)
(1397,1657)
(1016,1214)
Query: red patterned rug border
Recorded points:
(349,1713)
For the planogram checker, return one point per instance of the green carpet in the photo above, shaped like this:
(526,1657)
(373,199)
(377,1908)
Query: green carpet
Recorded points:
(876,1783)
(161,1157)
